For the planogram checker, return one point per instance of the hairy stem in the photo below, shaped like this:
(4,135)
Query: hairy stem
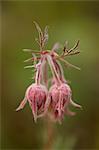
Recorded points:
(45,74)
(38,74)
(49,134)
(53,69)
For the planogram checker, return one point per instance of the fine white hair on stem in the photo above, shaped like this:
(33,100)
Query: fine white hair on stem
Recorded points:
(53,69)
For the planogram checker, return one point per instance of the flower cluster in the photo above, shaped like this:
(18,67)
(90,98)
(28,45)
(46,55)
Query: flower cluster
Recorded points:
(53,100)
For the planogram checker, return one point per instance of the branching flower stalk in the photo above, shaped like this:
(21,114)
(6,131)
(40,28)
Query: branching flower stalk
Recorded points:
(53,101)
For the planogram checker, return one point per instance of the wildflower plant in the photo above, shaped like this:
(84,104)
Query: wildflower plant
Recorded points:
(53,101)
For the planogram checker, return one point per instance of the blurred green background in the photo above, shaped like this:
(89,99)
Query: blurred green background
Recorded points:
(67,21)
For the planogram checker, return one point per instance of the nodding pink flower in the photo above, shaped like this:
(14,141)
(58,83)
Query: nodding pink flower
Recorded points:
(59,93)
(36,94)
(60,97)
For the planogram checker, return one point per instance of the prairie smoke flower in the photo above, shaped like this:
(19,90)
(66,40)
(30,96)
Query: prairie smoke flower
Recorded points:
(36,94)
(56,101)
(60,94)
(60,97)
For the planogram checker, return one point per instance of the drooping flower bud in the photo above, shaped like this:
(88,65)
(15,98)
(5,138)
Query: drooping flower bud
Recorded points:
(60,97)
(36,96)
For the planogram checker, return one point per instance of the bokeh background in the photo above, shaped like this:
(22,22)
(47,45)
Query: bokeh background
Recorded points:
(67,21)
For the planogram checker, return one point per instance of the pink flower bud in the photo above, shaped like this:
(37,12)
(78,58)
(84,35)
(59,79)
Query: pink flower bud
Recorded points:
(60,97)
(36,96)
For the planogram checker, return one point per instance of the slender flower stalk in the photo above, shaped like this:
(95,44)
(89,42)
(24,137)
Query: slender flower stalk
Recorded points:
(53,100)
(53,69)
